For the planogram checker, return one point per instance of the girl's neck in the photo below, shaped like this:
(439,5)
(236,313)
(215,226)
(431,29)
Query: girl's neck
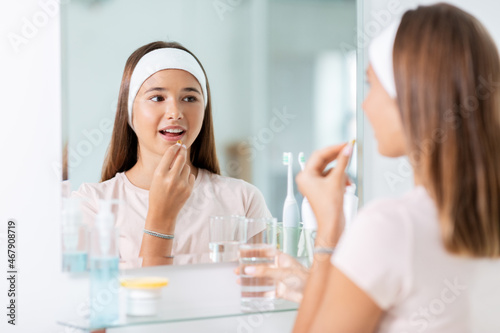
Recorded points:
(141,174)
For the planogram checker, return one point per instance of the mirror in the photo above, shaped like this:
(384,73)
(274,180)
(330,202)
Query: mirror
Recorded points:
(282,78)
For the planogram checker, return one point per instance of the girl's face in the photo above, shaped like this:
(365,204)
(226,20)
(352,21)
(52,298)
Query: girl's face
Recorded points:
(168,107)
(383,114)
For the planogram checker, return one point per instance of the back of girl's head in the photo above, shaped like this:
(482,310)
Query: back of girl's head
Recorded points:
(447,74)
(123,149)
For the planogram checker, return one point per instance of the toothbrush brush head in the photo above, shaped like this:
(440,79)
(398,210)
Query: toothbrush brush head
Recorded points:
(286,158)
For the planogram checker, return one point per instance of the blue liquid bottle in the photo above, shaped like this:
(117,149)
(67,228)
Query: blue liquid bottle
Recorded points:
(74,237)
(104,272)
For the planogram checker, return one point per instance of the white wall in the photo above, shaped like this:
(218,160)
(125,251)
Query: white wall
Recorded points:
(30,142)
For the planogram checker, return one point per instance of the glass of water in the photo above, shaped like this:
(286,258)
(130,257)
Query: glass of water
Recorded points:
(226,234)
(258,249)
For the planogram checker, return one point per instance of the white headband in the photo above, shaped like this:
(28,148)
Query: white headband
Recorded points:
(160,59)
(380,55)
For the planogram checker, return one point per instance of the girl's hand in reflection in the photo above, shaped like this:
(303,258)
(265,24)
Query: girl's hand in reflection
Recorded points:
(325,191)
(171,186)
(290,276)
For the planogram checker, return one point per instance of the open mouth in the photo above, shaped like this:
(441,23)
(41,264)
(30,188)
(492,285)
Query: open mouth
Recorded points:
(172,134)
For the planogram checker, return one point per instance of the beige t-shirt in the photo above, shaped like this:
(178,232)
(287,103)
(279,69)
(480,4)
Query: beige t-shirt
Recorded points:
(394,252)
(212,195)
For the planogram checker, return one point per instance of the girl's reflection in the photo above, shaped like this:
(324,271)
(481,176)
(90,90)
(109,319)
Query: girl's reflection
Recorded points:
(161,162)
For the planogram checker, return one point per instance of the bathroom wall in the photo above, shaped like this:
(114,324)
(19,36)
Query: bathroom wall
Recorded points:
(30,141)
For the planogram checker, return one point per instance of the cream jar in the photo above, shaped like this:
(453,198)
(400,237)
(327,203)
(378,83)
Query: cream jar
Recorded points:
(143,295)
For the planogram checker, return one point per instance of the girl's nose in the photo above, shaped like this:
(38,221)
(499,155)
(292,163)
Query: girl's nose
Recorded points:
(173,111)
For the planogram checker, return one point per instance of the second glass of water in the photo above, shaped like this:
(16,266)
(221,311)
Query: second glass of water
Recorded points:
(258,249)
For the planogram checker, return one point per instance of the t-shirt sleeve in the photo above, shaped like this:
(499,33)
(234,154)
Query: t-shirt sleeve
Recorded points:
(375,253)
(255,205)
(89,203)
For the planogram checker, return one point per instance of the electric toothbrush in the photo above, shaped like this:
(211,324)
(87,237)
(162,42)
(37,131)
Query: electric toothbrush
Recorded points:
(309,222)
(291,217)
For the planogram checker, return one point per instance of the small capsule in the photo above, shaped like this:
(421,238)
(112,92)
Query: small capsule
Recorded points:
(179,142)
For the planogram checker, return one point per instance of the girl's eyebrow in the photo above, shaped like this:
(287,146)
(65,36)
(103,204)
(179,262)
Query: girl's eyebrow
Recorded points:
(191,89)
(155,89)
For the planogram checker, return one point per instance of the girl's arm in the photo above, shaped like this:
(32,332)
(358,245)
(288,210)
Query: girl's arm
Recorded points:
(331,302)
(171,187)
(313,293)
(344,307)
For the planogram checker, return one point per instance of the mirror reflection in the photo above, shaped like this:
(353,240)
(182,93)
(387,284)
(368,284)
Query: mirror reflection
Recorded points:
(183,110)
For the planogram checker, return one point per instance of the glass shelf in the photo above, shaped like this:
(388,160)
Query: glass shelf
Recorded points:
(167,314)
(195,292)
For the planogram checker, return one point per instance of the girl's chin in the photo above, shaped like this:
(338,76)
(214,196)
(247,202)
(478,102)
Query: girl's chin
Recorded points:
(389,150)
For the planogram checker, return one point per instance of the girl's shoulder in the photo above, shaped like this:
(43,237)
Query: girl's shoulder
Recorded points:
(236,191)
(225,182)
(102,189)
(416,202)
(397,222)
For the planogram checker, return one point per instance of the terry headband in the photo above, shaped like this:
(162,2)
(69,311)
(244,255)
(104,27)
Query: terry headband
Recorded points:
(158,60)
(380,56)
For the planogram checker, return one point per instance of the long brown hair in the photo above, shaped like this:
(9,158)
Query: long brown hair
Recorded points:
(122,151)
(447,73)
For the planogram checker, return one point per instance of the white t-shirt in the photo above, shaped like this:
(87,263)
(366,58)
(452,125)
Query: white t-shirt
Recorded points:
(393,251)
(212,195)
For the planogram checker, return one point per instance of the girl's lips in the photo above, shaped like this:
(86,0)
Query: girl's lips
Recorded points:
(172,136)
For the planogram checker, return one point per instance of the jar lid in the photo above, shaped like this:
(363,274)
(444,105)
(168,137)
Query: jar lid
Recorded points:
(144,282)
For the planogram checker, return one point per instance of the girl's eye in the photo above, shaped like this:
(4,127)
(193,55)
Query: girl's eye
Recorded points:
(157,98)
(190,99)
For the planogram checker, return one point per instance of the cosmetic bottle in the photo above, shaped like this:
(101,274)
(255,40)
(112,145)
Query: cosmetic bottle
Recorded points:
(74,237)
(104,260)
(350,205)
(310,225)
